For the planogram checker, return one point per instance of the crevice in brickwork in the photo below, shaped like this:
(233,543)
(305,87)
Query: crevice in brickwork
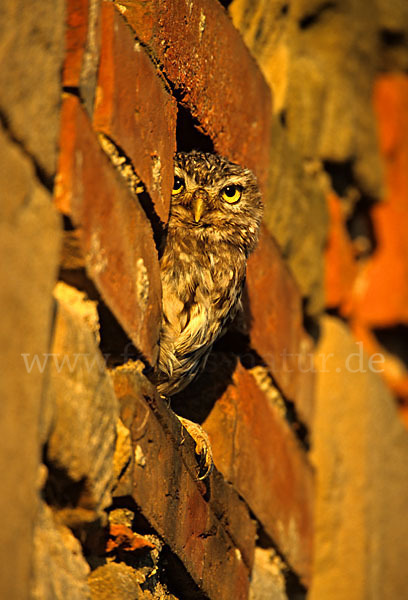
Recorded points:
(312,18)
(125,167)
(43,177)
(294,588)
(72,91)
(60,490)
(395,341)
(341,175)
(225,3)
(179,582)
(189,134)
(255,364)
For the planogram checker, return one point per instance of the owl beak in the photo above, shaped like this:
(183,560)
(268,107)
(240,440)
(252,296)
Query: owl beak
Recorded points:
(198,208)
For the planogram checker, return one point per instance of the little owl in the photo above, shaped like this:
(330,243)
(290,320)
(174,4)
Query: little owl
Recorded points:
(214,221)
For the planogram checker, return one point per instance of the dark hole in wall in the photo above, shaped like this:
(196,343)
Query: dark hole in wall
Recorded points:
(391,37)
(395,341)
(189,134)
(60,490)
(341,175)
(361,229)
(225,3)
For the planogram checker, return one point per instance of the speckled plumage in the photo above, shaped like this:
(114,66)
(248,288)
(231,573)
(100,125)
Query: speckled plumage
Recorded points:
(203,263)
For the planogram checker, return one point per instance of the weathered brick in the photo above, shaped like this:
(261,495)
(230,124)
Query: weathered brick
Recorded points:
(133,108)
(75,41)
(82,49)
(204,57)
(275,325)
(214,552)
(381,292)
(116,236)
(255,449)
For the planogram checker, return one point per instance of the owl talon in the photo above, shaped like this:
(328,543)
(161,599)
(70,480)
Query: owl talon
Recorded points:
(202,448)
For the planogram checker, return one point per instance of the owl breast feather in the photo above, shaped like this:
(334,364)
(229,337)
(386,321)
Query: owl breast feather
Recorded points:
(201,295)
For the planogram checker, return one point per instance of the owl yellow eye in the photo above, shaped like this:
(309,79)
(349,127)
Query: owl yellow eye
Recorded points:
(231,193)
(178,186)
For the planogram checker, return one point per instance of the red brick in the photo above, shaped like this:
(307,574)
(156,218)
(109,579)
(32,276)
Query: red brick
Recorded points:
(257,452)
(115,235)
(341,267)
(75,41)
(276,330)
(204,57)
(381,293)
(172,500)
(133,108)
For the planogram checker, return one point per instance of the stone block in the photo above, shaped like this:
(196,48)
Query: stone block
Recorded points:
(255,449)
(276,325)
(214,75)
(268,581)
(320,62)
(59,571)
(82,436)
(31,46)
(296,215)
(192,517)
(134,109)
(116,236)
(360,453)
(29,246)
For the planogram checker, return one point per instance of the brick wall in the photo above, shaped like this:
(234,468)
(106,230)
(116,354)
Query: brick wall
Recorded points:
(304,400)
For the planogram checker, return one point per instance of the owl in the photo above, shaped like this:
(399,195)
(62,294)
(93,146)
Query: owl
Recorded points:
(215,215)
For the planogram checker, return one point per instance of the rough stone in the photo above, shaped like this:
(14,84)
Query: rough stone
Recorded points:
(275,325)
(59,570)
(360,453)
(31,54)
(255,449)
(115,580)
(29,246)
(320,61)
(172,500)
(134,109)
(116,236)
(82,438)
(193,43)
(267,581)
(296,215)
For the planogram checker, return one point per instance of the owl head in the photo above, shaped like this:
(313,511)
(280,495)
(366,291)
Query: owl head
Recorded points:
(217,200)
